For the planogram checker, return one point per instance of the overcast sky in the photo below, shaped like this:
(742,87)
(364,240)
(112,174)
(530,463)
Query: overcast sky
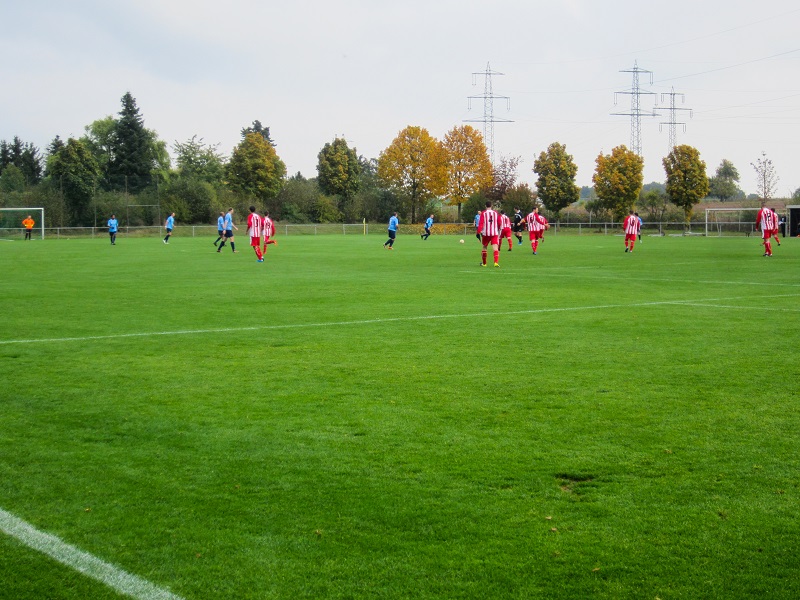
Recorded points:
(312,70)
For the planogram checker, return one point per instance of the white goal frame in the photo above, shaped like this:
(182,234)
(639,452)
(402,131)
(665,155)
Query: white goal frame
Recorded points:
(710,224)
(30,210)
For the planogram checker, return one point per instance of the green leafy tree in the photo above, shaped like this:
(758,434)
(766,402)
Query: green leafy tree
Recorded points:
(414,165)
(53,148)
(131,150)
(197,160)
(724,184)
(99,138)
(520,196)
(297,200)
(469,169)
(653,204)
(193,199)
(374,201)
(617,180)
(338,171)
(687,182)
(556,184)
(12,179)
(75,172)
(254,170)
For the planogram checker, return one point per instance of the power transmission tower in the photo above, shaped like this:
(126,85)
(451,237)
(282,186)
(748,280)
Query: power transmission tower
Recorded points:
(673,138)
(636,111)
(488,98)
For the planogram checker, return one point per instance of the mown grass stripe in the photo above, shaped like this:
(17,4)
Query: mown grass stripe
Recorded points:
(384,320)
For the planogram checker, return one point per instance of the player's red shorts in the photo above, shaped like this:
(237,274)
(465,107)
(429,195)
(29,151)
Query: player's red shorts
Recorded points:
(775,232)
(505,233)
(255,241)
(630,237)
(766,234)
(535,235)
(489,240)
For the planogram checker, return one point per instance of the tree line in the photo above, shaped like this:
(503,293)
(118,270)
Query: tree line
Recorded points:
(119,163)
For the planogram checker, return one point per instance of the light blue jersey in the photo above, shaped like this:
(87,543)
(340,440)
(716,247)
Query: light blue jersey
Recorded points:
(170,222)
(428,222)
(112,226)
(228,222)
(393,223)
(477,220)
(220,223)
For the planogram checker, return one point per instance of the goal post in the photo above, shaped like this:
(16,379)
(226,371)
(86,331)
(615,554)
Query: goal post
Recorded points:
(730,221)
(11,221)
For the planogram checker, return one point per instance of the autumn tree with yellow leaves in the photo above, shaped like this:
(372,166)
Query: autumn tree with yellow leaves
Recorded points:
(618,180)
(469,169)
(414,164)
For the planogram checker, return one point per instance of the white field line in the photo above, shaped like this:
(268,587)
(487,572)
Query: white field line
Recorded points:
(83,562)
(583,275)
(385,320)
(732,307)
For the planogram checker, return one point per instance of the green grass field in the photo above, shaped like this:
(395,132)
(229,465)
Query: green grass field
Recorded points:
(347,422)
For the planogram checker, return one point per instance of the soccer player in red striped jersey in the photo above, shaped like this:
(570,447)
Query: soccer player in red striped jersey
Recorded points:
(777,224)
(505,229)
(489,230)
(537,225)
(268,229)
(766,221)
(632,226)
(254,231)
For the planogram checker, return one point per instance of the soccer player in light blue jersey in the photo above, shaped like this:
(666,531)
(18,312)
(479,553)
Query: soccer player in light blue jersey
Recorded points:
(477,220)
(229,227)
(393,223)
(112,229)
(428,225)
(220,228)
(169,224)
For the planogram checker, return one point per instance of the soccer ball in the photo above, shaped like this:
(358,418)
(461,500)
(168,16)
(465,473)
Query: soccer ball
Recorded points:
(460,241)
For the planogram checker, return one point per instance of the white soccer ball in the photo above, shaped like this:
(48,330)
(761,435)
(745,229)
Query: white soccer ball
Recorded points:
(460,241)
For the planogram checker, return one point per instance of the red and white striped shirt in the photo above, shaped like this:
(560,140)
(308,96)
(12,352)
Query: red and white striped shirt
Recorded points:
(505,222)
(489,224)
(631,225)
(535,222)
(268,227)
(254,225)
(767,219)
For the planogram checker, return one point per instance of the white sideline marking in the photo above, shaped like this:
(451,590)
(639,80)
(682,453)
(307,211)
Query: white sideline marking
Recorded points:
(703,305)
(532,311)
(83,562)
(554,273)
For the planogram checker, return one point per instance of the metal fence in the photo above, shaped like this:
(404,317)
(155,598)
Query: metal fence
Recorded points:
(735,228)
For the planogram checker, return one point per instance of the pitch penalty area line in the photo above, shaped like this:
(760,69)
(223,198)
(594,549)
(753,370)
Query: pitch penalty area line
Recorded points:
(382,321)
(83,562)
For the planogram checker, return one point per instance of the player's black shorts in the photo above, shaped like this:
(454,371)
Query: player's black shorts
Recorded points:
(228,233)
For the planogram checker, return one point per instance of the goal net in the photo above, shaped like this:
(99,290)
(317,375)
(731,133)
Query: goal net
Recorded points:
(11,227)
(730,221)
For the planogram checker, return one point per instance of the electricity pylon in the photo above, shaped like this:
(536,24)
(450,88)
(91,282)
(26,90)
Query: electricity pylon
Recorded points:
(672,123)
(488,98)
(636,111)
